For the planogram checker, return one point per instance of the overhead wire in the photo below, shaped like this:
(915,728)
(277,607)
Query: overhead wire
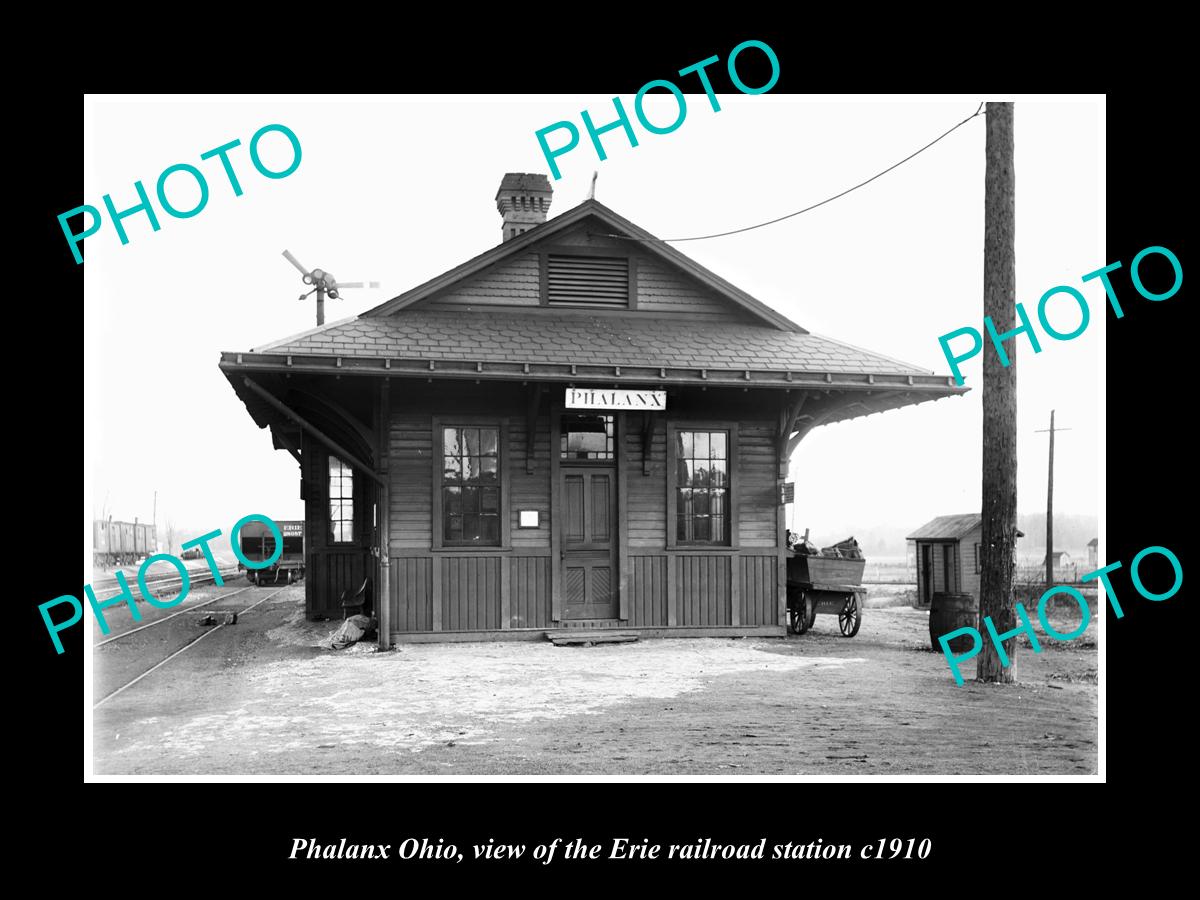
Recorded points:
(791,215)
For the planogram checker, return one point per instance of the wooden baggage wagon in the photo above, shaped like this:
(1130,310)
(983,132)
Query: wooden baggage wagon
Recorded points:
(825,584)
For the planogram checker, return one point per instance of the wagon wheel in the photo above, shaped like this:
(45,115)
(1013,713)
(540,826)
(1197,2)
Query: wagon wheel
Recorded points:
(799,613)
(851,616)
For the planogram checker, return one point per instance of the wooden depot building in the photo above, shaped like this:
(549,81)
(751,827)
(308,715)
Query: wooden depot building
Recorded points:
(580,427)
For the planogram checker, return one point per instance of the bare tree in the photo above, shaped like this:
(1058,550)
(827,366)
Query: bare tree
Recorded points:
(170,529)
(999,396)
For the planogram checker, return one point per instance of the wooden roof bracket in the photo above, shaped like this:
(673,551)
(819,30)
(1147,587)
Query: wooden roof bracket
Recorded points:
(337,448)
(291,448)
(788,417)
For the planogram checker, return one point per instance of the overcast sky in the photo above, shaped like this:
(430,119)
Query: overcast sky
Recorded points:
(401,189)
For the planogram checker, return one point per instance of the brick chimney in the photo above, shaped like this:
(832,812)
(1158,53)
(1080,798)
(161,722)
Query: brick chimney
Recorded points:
(523,201)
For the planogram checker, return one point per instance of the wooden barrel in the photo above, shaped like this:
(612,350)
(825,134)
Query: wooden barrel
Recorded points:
(949,612)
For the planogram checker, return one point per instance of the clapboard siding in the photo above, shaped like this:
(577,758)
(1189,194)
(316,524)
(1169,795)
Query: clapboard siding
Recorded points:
(529,491)
(758,501)
(662,291)
(703,585)
(529,591)
(647,493)
(410,443)
(470,593)
(516,282)
(759,598)
(648,591)
(412,590)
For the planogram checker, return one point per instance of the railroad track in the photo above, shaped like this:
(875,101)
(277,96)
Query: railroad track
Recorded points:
(195,577)
(190,643)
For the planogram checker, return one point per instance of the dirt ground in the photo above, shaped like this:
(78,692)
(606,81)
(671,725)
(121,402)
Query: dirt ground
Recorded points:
(259,698)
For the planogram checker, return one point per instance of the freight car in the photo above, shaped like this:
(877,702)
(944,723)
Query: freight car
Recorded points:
(258,544)
(121,543)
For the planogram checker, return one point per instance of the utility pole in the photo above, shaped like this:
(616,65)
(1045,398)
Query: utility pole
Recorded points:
(1050,505)
(155,514)
(999,396)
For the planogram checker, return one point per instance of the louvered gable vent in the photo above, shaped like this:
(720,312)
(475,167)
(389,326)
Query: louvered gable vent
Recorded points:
(590,280)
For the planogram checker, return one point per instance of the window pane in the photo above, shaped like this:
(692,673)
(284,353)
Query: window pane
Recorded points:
(451,468)
(684,504)
(488,439)
(470,442)
(718,502)
(701,529)
(489,500)
(450,442)
(488,468)
(682,532)
(452,500)
(700,505)
(471,530)
(454,528)
(470,500)
(718,528)
(491,529)
(701,476)
(718,445)
(701,442)
(717,472)
(470,467)
(683,444)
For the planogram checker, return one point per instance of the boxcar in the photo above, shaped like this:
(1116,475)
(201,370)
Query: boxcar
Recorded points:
(141,541)
(100,550)
(128,548)
(122,543)
(259,544)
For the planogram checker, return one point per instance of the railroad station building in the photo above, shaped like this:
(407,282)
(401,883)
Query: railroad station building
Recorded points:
(580,427)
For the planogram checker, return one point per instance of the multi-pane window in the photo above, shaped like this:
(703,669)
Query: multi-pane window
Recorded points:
(471,486)
(978,561)
(587,437)
(341,502)
(702,487)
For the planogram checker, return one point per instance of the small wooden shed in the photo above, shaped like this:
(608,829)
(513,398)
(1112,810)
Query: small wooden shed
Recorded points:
(949,556)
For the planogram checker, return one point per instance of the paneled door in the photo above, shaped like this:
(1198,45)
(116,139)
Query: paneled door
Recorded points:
(589,543)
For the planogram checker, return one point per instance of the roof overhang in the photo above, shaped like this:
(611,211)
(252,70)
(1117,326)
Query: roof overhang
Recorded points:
(231,361)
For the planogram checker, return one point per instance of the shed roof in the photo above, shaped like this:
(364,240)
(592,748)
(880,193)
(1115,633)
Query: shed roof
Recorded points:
(950,528)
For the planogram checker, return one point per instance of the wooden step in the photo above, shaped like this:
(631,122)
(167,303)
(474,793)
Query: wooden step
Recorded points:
(581,637)
(590,623)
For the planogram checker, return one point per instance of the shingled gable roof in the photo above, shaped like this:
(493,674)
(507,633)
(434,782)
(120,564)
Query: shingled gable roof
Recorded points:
(613,222)
(765,350)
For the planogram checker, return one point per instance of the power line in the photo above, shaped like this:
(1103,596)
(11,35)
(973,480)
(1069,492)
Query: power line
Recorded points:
(705,237)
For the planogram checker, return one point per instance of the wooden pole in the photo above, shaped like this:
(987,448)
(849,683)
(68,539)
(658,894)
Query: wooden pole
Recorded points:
(1050,505)
(1050,511)
(383,603)
(999,397)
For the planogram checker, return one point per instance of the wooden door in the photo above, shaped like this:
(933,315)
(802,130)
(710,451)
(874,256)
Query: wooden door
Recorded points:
(589,543)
